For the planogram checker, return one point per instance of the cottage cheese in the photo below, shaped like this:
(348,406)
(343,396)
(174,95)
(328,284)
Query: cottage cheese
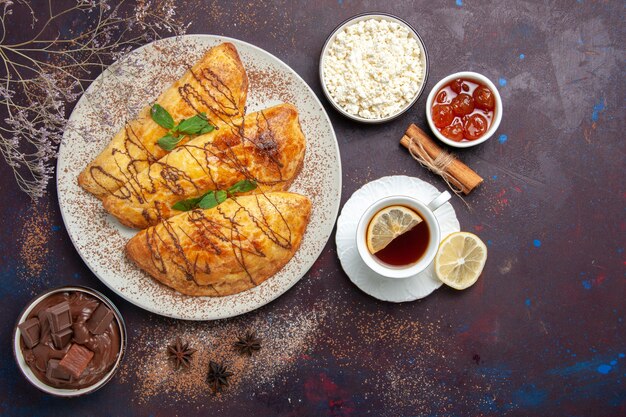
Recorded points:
(373,68)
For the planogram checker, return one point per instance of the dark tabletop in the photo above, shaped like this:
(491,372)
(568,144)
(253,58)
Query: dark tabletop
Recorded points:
(541,333)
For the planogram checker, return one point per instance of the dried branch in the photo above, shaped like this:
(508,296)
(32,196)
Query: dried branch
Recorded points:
(42,76)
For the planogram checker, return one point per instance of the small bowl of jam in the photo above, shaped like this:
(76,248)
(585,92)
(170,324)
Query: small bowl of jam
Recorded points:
(69,341)
(464,109)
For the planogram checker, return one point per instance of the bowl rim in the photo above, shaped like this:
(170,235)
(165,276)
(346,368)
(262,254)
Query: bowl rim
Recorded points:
(360,17)
(498,114)
(62,392)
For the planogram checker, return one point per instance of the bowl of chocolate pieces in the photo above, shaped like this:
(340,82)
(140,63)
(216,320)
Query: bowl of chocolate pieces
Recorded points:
(69,341)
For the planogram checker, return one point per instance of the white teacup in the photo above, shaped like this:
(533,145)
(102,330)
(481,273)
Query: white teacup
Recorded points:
(426,211)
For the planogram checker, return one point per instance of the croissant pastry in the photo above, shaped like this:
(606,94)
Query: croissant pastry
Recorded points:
(267,147)
(216,85)
(226,249)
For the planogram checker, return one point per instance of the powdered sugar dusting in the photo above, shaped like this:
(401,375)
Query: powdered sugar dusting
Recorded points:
(285,337)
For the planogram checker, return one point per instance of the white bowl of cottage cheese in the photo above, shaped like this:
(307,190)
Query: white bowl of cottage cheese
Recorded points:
(373,67)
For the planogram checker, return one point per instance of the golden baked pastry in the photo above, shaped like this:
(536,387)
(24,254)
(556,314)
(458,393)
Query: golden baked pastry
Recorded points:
(268,148)
(216,85)
(224,250)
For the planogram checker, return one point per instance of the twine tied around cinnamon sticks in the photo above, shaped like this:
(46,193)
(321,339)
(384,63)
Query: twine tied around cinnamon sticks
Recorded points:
(437,165)
(458,176)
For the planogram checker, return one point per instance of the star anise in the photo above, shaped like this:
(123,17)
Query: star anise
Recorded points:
(218,376)
(180,353)
(248,344)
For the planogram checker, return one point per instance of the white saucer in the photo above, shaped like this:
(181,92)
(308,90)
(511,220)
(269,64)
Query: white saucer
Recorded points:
(389,289)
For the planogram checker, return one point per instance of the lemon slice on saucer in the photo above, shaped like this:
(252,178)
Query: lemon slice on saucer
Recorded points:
(460,260)
(388,224)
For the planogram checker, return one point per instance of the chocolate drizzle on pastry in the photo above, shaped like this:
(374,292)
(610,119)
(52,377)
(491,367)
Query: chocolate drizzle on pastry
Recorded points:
(216,85)
(207,232)
(234,246)
(199,101)
(266,147)
(224,250)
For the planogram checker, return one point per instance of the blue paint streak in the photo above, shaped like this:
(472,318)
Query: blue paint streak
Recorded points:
(595,365)
(527,302)
(496,373)
(489,242)
(597,108)
(502,81)
(613,362)
(587,284)
(503,138)
(529,396)
(459,2)
(495,177)
(537,243)
(573,369)
(522,56)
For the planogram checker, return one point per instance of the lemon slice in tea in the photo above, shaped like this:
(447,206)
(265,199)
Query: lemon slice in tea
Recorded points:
(460,260)
(388,224)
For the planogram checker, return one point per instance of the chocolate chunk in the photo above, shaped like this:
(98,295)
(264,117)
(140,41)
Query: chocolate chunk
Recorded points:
(100,319)
(59,317)
(43,353)
(76,360)
(30,330)
(44,322)
(56,373)
(62,338)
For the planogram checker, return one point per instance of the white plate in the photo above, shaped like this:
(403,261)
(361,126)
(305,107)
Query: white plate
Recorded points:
(116,96)
(389,289)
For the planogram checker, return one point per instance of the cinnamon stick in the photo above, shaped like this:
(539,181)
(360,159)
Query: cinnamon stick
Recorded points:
(455,173)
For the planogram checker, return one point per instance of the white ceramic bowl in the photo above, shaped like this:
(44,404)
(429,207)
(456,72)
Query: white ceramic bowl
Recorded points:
(30,375)
(351,21)
(497,117)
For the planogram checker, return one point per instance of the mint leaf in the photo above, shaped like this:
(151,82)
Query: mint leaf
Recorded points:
(242,186)
(187,205)
(207,129)
(213,198)
(161,116)
(208,201)
(169,141)
(194,125)
(221,196)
